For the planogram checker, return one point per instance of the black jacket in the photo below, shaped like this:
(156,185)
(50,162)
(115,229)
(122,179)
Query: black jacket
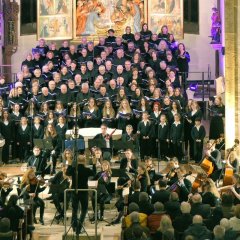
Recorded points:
(160,196)
(39,162)
(83,174)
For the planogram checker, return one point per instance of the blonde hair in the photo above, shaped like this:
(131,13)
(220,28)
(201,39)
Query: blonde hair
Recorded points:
(81,159)
(64,153)
(109,166)
(165,224)
(104,111)
(128,108)
(25,179)
(50,134)
(144,168)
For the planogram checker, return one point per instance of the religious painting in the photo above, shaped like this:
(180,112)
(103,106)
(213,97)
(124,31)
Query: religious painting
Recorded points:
(94,17)
(54,19)
(166,12)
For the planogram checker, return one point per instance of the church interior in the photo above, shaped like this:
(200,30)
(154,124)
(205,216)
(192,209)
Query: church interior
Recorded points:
(119,119)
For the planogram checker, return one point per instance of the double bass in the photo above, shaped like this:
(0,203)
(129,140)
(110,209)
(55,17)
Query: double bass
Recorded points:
(228,174)
(208,168)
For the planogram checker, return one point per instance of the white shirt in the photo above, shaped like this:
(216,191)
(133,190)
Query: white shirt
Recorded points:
(24,127)
(163,124)
(177,123)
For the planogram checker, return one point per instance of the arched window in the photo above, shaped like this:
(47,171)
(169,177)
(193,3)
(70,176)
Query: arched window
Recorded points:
(28,19)
(191,16)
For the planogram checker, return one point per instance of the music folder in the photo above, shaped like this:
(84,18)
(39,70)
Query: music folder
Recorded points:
(122,145)
(116,172)
(71,144)
(43,143)
(100,143)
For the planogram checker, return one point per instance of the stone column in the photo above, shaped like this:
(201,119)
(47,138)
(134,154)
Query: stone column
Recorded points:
(232,71)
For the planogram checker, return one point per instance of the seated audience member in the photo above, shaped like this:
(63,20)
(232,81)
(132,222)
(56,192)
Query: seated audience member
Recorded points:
(136,227)
(198,230)
(161,195)
(235,221)
(165,229)
(214,219)
(126,222)
(198,208)
(135,196)
(155,218)
(14,213)
(144,204)
(172,207)
(5,232)
(229,233)
(219,232)
(182,222)
(227,206)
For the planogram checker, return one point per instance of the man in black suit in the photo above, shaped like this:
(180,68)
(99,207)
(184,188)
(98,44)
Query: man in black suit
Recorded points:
(38,161)
(182,222)
(172,207)
(197,229)
(106,140)
(65,96)
(161,195)
(198,208)
(144,204)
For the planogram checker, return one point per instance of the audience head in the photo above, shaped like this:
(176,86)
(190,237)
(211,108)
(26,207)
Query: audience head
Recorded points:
(136,185)
(165,224)
(158,207)
(185,207)
(134,216)
(143,196)
(225,223)
(219,232)
(237,211)
(196,198)
(197,219)
(162,184)
(174,197)
(4,225)
(133,207)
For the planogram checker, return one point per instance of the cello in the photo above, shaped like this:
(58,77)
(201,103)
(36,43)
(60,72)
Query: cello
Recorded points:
(228,174)
(207,167)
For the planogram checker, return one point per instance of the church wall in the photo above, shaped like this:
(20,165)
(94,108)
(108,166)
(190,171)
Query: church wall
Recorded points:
(198,45)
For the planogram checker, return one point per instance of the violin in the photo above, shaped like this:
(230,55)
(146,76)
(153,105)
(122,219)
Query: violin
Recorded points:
(37,181)
(108,136)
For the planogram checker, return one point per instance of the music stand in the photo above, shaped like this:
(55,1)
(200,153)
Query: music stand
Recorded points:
(71,144)
(100,143)
(116,172)
(43,143)
(121,145)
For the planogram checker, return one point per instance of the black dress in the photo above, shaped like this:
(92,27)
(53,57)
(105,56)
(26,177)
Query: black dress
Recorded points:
(7,131)
(216,124)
